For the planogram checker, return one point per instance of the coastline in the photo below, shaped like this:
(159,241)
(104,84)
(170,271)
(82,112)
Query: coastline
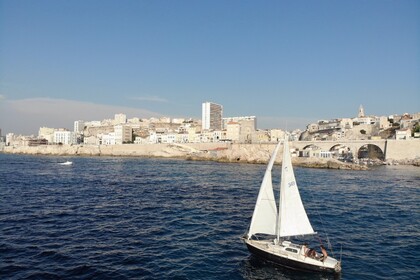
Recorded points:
(219,152)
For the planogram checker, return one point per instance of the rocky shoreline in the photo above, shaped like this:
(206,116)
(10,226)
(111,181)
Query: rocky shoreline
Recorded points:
(242,153)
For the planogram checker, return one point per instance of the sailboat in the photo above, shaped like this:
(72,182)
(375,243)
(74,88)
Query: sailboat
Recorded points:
(271,229)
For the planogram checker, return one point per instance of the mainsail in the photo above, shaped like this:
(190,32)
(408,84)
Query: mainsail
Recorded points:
(293,220)
(265,212)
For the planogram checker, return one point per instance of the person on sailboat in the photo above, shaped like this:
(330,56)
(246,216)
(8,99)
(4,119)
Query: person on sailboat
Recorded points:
(324,253)
(309,252)
(305,249)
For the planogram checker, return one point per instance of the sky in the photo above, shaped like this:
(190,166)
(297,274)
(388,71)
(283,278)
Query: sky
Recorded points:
(289,63)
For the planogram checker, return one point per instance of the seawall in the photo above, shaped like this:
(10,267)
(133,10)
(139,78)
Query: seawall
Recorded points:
(397,151)
(401,150)
(222,152)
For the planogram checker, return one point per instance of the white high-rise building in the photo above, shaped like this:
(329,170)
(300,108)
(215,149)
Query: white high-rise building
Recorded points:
(211,116)
(79,126)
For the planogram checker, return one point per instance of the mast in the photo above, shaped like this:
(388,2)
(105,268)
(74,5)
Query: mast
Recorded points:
(285,150)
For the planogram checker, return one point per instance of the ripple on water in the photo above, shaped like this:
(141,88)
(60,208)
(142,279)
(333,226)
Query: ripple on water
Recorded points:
(109,218)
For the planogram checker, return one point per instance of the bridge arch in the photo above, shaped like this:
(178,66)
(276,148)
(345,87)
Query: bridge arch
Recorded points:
(316,148)
(340,148)
(370,151)
(306,151)
(342,152)
(311,147)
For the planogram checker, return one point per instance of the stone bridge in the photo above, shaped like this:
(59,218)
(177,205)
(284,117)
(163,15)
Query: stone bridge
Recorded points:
(353,145)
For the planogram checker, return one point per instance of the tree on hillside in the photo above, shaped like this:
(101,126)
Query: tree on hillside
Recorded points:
(415,129)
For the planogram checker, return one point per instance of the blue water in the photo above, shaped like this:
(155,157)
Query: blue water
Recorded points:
(137,218)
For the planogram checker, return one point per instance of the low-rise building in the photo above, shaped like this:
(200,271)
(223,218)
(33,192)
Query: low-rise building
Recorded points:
(403,134)
(46,133)
(346,123)
(182,137)
(276,135)
(384,123)
(233,131)
(249,119)
(109,139)
(168,138)
(120,119)
(261,136)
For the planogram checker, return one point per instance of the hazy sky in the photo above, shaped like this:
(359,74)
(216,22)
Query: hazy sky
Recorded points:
(286,62)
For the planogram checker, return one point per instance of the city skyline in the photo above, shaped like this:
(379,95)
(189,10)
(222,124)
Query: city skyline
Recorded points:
(289,63)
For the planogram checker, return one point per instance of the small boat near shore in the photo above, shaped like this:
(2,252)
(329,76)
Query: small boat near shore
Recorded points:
(66,163)
(271,230)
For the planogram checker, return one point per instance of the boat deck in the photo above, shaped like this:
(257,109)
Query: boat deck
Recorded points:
(290,254)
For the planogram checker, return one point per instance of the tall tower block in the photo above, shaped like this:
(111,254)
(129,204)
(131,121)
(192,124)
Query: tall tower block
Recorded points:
(212,114)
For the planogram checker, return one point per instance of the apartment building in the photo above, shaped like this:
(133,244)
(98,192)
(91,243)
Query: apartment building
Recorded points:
(123,134)
(212,116)
(65,137)
(79,126)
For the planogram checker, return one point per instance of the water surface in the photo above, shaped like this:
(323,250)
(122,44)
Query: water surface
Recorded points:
(136,218)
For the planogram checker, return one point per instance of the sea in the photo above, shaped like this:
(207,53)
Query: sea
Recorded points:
(148,218)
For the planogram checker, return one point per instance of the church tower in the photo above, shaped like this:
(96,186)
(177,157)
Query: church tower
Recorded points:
(361,112)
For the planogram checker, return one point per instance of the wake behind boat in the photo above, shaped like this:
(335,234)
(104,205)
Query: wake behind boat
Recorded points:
(66,163)
(270,230)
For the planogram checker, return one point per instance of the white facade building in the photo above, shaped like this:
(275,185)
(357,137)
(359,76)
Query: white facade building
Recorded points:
(46,133)
(153,137)
(10,137)
(64,137)
(120,118)
(123,134)
(232,131)
(109,139)
(168,138)
(211,116)
(403,134)
(246,119)
(79,126)
(276,135)
(182,138)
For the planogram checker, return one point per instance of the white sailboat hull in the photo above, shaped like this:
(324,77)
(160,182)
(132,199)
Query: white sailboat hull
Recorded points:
(290,255)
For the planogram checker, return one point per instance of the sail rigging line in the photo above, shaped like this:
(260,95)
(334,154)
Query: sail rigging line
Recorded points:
(329,246)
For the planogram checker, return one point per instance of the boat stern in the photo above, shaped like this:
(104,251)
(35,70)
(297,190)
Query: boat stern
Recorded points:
(337,267)
(332,265)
